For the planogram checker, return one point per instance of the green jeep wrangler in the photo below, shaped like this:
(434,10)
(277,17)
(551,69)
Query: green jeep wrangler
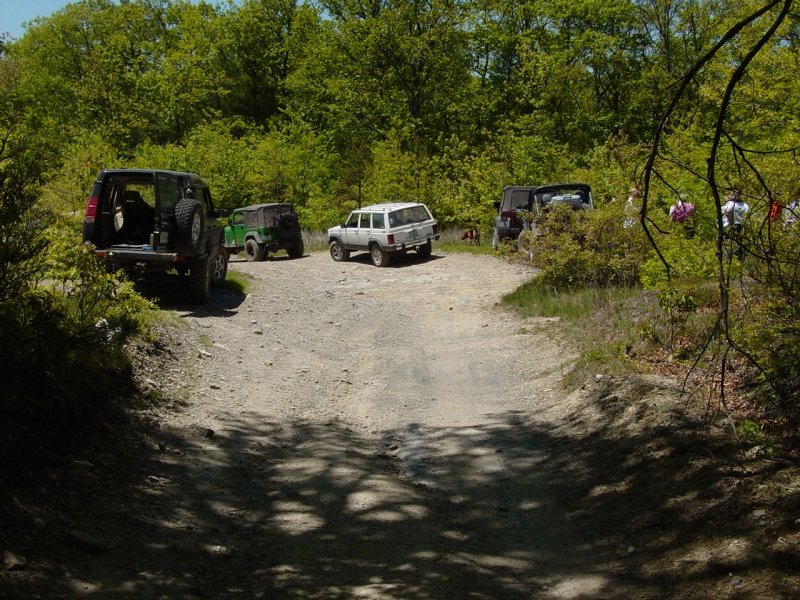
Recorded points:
(263,228)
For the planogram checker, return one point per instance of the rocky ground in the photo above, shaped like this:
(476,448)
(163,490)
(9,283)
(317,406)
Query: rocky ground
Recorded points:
(345,431)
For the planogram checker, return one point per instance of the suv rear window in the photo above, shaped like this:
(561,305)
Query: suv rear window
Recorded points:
(406,216)
(516,200)
(122,189)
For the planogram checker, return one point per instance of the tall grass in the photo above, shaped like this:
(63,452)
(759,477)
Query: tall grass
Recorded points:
(315,241)
(535,300)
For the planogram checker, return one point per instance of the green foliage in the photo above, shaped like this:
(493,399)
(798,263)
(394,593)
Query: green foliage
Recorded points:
(63,319)
(396,175)
(62,357)
(688,259)
(67,189)
(536,299)
(87,294)
(678,306)
(252,167)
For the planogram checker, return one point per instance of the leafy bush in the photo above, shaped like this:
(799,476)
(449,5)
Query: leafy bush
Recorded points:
(768,324)
(586,248)
(66,332)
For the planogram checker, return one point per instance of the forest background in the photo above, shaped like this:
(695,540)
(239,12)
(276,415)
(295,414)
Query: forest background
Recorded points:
(339,103)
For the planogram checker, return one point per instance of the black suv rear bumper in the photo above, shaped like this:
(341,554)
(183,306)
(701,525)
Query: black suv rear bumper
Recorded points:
(141,258)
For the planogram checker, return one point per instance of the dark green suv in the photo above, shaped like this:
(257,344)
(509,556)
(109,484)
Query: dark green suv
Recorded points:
(263,228)
(148,221)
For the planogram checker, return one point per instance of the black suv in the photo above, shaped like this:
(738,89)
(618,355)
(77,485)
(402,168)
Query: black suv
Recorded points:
(523,204)
(150,221)
(263,228)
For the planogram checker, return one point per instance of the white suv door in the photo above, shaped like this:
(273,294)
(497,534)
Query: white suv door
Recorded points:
(349,231)
(364,230)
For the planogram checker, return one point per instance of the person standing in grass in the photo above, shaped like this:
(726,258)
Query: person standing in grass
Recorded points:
(734,213)
(632,208)
(683,212)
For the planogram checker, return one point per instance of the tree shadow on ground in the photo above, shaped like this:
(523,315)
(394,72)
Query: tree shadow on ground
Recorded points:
(506,509)
(170,292)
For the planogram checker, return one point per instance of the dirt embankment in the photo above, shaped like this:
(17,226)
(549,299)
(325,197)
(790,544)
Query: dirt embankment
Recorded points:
(345,431)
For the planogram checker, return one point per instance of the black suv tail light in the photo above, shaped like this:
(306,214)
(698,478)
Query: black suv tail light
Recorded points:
(91,209)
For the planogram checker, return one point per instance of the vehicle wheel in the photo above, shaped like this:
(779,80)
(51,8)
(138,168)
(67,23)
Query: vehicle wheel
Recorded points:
(380,258)
(288,226)
(495,239)
(219,265)
(200,281)
(189,225)
(424,250)
(297,250)
(339,252)
(253,250)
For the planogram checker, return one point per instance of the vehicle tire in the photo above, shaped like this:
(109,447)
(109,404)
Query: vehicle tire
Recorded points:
(424,251)
(380,257)
(296,251)
(219,265)
(200,281)
(253,250)
(495,239)
(288,226)
(189,222)
(338,252)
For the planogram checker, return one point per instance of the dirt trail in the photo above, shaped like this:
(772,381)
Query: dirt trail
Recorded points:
(417,371)
(345,431)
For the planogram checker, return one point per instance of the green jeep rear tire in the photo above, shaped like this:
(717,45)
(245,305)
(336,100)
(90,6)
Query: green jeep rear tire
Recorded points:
(253,250)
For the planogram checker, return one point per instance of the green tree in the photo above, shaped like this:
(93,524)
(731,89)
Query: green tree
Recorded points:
(138,71)
(255,54)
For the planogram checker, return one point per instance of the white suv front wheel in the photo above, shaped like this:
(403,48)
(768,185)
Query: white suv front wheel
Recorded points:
(339,252)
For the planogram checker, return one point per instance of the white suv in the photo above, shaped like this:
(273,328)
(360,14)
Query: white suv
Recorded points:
(383,229)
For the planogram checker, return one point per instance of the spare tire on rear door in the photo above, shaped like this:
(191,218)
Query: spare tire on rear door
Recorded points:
(288,225)
(189,226)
